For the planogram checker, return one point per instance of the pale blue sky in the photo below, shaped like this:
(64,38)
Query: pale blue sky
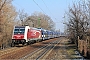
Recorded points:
(56,8)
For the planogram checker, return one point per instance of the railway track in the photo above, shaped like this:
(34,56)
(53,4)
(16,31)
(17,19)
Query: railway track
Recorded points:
(42,52)
(19,51)
(49,49)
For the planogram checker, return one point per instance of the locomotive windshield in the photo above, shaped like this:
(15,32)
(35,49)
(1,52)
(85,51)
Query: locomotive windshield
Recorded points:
(19,30)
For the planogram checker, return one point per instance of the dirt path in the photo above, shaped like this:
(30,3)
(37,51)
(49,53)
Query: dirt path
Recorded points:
(64,50)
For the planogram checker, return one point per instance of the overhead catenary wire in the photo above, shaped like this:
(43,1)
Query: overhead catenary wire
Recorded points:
(46,6)
(48,9)
(42,9)
(39,6)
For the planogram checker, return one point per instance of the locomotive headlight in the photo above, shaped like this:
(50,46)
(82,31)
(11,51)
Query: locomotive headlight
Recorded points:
(13,40)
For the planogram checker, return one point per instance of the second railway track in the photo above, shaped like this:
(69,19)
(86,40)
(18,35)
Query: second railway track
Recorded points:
(42,52)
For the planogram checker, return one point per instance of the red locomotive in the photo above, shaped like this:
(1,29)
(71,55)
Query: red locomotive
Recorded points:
(25,35)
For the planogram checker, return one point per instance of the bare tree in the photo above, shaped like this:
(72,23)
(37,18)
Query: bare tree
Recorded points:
(22,16)
(40,20)
(77,21)
(7,17)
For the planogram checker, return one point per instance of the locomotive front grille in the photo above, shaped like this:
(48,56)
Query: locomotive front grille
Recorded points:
(18,41)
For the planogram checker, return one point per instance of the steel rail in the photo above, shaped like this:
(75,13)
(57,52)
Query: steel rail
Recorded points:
(48,50)
(37,54)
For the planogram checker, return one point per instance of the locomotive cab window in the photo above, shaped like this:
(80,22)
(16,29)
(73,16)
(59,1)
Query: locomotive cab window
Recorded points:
(19,30)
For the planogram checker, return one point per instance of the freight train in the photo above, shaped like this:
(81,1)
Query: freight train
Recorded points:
(27,35)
